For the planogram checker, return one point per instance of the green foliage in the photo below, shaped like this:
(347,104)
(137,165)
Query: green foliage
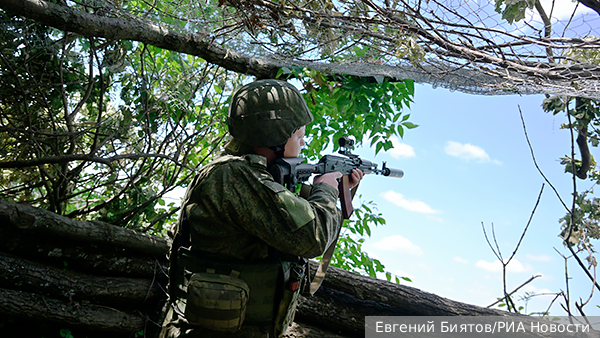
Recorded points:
(66,333)
(581,225)
(521,309)
(367,112)
(587,55)
(586,216)
(513,10)
(349,254)
(346,105)
(509,307)
(109,128)
(103,130)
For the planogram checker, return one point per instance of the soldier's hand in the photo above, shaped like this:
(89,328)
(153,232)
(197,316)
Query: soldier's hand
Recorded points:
(355,178)
(329,178)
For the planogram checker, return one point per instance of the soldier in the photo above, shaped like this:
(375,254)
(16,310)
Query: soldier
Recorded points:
(238,259)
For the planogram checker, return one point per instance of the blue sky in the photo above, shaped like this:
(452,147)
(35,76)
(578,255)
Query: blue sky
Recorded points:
(468,162)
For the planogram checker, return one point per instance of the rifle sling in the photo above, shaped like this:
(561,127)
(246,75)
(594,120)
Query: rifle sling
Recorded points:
(326,259)
(322,269)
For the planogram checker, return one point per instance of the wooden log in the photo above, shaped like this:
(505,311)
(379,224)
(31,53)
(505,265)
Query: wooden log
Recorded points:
(303,330)
(45,223)
(93,259)
(21,274)
(345,298)
(37,308)
(405,300)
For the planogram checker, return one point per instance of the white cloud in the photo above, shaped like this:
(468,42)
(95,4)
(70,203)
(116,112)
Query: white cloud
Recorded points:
(562,9)
(401,149)
(468,152)
(461,260)
(538,291)
(496,266)
(540,258)
(399,244)
(433,218)
(410,205)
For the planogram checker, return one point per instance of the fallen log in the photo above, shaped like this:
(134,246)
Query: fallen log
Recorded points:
(24,275)
(303,330)
(45,223)
(36,308)
(346,298)
(337,310)
(94,259)
(405,300)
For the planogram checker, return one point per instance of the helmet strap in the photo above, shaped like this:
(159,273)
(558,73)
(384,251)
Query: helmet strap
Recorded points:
(278,150)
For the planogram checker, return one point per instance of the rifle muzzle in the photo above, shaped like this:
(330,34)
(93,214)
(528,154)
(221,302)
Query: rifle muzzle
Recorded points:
(392,172)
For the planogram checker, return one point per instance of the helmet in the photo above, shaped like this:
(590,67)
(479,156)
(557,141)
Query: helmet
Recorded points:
(266,113)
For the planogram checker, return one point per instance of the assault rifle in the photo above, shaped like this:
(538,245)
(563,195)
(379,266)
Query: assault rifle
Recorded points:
(289,171)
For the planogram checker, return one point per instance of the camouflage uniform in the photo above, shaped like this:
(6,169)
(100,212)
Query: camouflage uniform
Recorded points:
(236,210)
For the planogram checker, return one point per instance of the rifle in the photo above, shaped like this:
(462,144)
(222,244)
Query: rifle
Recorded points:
(289,171)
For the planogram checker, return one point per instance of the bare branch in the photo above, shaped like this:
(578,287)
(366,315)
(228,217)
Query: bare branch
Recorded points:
(83,157)
(591,4)
(515,290)
(91,25)
(537,166)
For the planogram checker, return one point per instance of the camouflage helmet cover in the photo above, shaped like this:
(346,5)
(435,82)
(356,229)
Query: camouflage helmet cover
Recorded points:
(266,113)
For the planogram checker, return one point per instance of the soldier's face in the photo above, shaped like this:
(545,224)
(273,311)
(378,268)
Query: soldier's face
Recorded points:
(295,143)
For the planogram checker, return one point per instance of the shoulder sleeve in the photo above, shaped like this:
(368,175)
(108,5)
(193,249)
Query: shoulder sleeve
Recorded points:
(242,196)
(299,210)
(309,226)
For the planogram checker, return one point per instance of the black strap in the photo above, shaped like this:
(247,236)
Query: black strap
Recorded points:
(181,240)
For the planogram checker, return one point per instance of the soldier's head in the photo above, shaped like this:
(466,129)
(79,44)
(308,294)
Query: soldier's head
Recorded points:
(268,114)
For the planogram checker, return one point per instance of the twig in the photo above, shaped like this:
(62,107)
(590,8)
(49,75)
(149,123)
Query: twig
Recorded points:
(528,222)
(552,302)
(490,244)
(515,290)
(536,164)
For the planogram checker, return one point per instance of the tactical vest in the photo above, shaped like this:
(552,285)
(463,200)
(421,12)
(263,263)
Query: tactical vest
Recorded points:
(223,295)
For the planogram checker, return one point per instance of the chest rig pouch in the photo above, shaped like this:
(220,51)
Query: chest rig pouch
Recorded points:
(246,291)
(215,301)
(221,295)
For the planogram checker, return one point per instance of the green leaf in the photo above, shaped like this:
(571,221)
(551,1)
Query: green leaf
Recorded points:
(409,125)
(400,131)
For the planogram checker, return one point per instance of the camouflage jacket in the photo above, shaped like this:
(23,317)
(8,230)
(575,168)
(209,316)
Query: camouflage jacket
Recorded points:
(236,210)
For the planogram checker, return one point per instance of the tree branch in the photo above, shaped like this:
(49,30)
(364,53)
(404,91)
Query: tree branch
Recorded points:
(82,157)
(91,25)
(591,4)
